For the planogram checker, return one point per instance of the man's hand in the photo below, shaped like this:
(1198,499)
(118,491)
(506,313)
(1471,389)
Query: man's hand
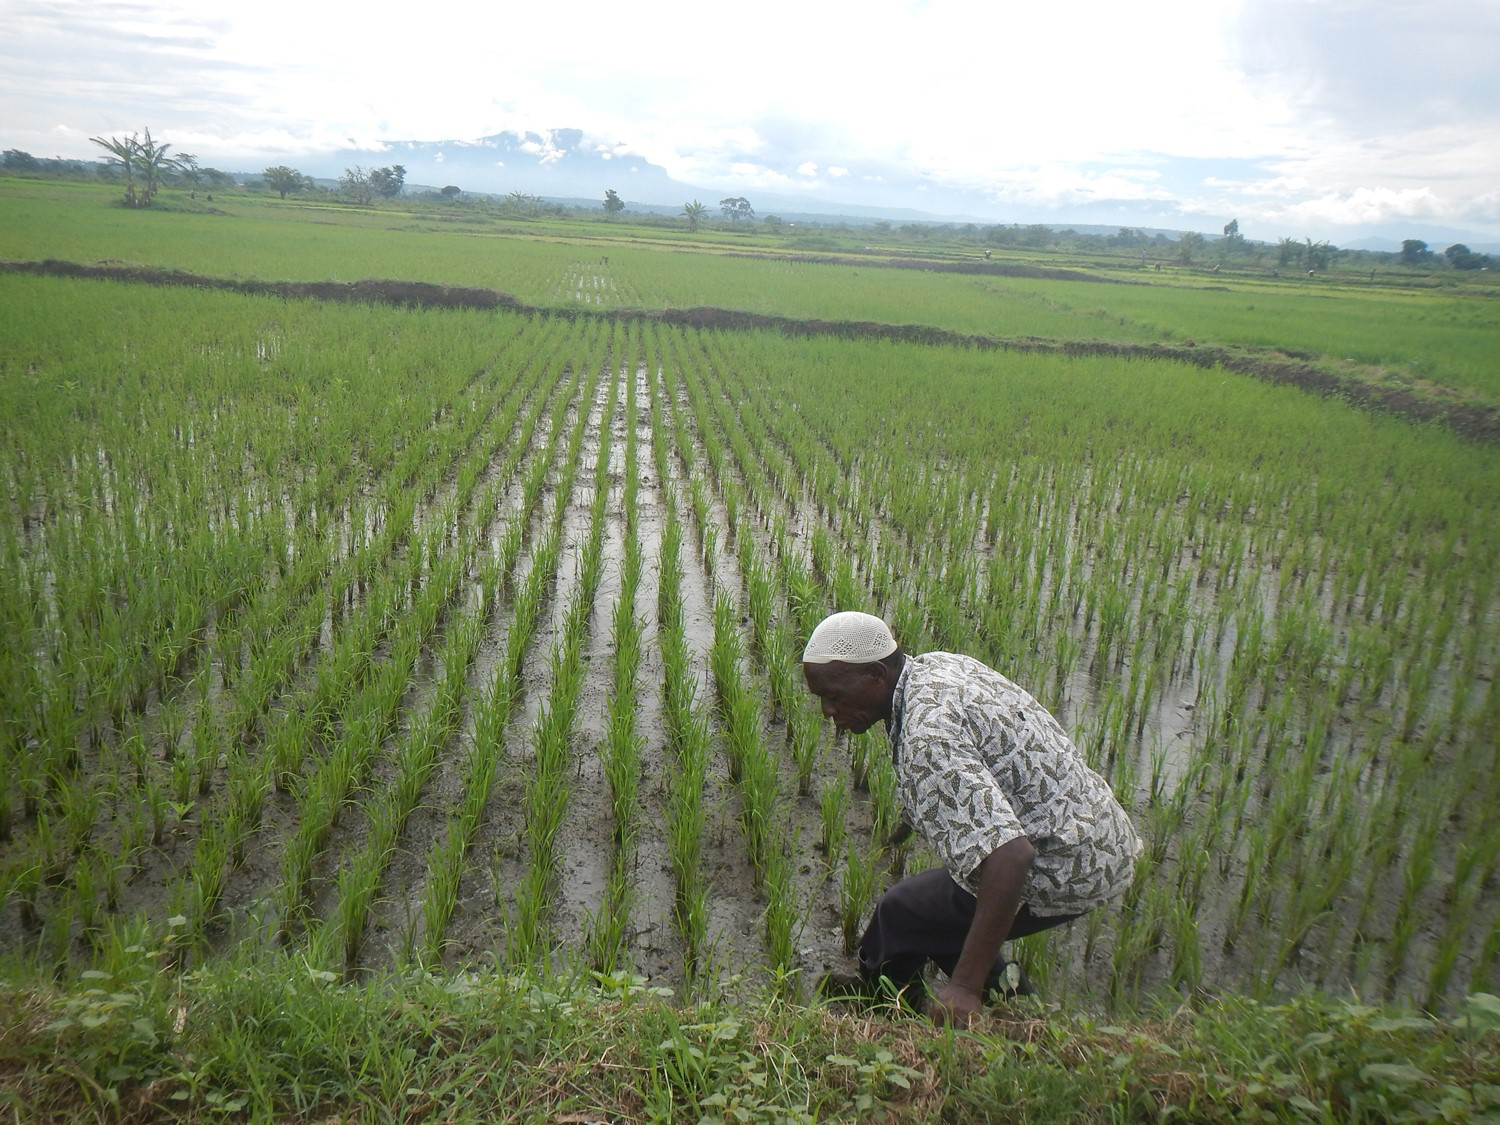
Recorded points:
(1001,879)
(955,1006)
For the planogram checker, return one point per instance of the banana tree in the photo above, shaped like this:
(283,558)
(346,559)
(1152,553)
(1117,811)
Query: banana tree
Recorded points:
(145,163)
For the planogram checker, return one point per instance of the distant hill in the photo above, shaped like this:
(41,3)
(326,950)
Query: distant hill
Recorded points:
(558,163)
(567,165)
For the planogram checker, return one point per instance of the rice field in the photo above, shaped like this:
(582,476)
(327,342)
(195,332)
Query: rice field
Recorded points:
(437,638)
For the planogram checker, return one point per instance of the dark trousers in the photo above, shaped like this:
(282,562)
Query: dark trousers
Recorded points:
(926,917)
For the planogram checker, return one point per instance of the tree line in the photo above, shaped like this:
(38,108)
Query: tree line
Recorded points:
(143,165)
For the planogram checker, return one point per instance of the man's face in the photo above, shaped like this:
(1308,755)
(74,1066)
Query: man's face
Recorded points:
(854,696)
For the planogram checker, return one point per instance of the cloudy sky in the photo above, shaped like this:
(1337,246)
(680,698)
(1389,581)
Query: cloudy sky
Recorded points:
(1321,118)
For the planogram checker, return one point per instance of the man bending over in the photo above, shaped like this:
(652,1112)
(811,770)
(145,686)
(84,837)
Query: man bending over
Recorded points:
(1029,836)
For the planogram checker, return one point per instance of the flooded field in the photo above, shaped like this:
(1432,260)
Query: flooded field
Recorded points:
(455,635)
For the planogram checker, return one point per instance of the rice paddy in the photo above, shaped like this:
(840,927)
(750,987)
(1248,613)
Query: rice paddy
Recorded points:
(406,637)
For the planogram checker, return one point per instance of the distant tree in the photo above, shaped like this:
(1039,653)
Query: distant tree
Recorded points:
(1038,235)
(452,192)
(1233,239)
(216,177)
(14,160)
(1460,257)
(736,208)
(143,162)
(187,164)
(388,182)
(1319,255)
(355,186)
(1288,250)
(1414,252)
(1188,245)
(122,152)
(694,213)
(523,204)
(283,180)
(773,222)
(613,204)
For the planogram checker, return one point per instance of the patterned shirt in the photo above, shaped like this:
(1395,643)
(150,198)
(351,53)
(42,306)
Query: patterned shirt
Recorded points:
(980,762)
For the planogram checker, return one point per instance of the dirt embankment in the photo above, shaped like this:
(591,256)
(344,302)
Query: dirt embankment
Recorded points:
(414,294)
(1473,421)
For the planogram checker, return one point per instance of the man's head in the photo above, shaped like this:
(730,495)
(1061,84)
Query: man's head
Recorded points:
(851,663)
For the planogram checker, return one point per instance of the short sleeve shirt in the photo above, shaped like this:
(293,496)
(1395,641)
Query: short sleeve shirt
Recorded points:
(980,762)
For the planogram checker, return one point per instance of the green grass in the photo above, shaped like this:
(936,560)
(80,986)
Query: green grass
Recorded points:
(1412,338)
(270,1039)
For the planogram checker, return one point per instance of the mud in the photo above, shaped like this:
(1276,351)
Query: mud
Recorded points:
(1473,421)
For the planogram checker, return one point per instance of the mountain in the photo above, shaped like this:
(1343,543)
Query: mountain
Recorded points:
(1438,239)
(566,164)
(559,162)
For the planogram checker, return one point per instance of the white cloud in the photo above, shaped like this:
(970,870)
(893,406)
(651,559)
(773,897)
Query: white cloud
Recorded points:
(1059,185)
(1349,108)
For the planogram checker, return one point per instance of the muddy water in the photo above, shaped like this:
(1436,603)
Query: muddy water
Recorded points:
(499,857)
(655,949)
(586,850)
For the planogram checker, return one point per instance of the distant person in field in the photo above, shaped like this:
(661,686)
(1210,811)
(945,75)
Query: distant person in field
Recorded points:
(1028,835)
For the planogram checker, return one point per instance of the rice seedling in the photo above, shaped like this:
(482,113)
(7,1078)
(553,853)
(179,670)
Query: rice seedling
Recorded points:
(833,804)
(861,875)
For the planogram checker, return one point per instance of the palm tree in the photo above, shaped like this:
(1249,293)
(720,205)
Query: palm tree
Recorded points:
(523,204)
(152,162)
(694,213)
(124,153)
(143,158)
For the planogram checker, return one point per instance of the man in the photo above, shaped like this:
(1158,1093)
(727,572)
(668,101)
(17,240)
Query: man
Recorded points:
(1029,836)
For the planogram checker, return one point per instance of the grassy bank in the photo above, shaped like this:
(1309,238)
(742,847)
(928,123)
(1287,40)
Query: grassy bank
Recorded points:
(267,1039)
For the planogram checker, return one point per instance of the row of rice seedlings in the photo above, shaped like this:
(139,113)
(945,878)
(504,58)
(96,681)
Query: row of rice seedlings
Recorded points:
(249,781)
(228,824)
(687,727)
(770,586)
(863,870)
(286,618)
(342,934)
(184,610)
(412,763)
(753,771)
(366,721)
(364,717)
(492,712)
(547,787)
(621,750)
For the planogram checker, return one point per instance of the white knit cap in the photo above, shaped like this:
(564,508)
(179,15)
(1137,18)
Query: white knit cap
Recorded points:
(854,638)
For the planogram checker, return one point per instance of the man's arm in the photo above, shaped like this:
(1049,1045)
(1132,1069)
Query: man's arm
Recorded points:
(1000,879)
